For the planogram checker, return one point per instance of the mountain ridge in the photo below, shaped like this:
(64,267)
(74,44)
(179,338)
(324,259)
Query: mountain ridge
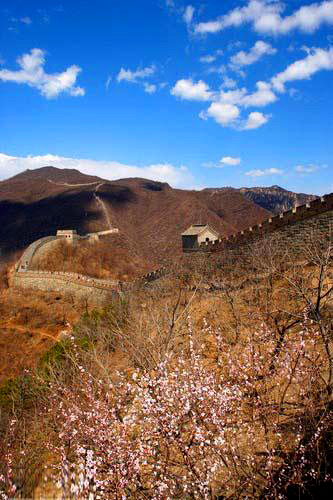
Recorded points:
(275,198)
(150,215)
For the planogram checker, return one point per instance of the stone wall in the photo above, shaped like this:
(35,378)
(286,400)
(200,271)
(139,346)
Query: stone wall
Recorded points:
(29,253)
(294,228)
(96,291)
(26,259)
(93,290)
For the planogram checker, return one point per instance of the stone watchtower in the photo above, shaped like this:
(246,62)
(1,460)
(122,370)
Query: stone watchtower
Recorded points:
(68,234)
(197,234)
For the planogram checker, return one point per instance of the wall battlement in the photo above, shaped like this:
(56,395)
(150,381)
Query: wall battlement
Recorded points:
(93,290)
(152,276)
(319,210)
(80,279)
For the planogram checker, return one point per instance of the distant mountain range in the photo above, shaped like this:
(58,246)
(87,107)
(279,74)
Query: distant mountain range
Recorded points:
(150,215)
(276,199)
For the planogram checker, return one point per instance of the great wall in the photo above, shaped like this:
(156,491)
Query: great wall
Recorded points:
(296,226)
(95,291)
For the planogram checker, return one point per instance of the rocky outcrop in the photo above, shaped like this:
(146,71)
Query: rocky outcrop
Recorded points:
(276,199)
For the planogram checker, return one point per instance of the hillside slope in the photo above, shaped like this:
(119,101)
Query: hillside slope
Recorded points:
(150,215)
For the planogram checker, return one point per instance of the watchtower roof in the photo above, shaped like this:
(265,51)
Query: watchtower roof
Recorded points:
(196,229)
(66,231)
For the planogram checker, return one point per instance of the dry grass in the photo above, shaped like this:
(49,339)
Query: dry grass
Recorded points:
(30,323)
(214,296)
(101,259)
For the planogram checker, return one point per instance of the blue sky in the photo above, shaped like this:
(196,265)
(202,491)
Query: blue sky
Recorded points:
(198,94)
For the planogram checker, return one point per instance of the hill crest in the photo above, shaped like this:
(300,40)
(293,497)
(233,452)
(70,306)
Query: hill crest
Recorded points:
(150,215)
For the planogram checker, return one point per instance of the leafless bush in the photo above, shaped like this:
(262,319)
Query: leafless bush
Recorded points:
(242,409)
(98,259)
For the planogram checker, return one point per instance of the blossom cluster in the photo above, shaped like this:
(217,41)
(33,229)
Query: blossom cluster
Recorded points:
(200,425)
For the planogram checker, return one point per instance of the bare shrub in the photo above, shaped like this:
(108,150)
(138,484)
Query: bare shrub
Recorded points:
(242,409)
(187,430)
(98,259)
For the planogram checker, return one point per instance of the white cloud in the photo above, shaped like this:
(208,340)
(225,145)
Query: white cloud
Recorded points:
(191,91)
(261,173)
(134,76)
(32,73)
(226,160)
(108,81)
(138,76)
(255,120)
(111,170)
(220,70)
(223,113)
(230,160)
(226,104)
(265,17)
(316,60)
(301,169)
(226,110)
(209,58)
(261,97)
(256,52)
(188,14)
(229,83)
(150,88)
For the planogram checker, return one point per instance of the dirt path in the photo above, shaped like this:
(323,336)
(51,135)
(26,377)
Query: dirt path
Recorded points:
(36,331)
(99,201)
(72,185)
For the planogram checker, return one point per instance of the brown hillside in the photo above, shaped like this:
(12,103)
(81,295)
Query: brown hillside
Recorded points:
(150,215)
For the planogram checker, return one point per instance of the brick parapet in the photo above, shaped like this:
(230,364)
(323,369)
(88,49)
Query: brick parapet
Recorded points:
(313,210)
(76,283)
(79,279)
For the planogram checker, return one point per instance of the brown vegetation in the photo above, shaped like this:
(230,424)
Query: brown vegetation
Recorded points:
(30,323)
(261,321)
(104,259)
